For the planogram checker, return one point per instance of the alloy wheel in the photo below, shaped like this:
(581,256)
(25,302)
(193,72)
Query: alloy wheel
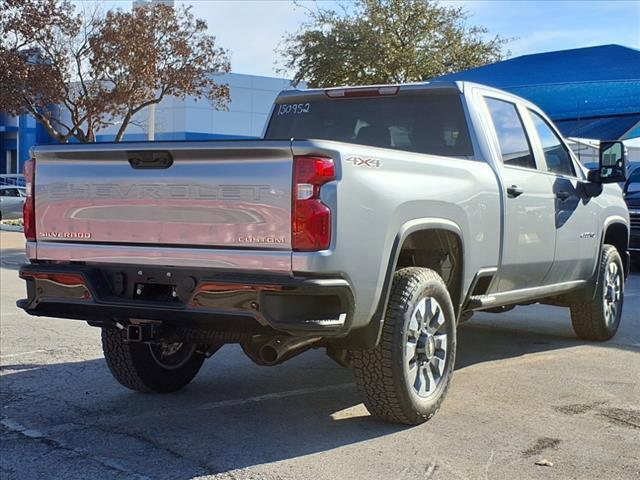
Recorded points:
(612,293)
(426,345)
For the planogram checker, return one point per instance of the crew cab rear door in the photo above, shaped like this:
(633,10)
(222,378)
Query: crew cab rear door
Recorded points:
(529,231)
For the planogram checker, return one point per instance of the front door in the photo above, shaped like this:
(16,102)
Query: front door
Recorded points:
(576,214)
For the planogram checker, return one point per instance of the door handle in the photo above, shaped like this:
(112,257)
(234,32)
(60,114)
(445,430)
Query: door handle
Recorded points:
(513,191)
(563,194)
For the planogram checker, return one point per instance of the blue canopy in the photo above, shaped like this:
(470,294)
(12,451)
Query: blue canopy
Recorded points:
(589,92)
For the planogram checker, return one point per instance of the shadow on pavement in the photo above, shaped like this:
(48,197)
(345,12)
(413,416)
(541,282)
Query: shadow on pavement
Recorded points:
(221,421)
(12,258)
(192,433)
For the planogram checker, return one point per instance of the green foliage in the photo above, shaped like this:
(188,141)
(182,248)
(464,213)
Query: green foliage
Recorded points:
(386,41)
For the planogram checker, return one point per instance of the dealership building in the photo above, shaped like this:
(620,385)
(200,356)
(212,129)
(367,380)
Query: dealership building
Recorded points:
(591,94)
(172,119)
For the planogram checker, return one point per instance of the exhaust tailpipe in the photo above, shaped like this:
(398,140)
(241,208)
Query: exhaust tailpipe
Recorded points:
(280,349)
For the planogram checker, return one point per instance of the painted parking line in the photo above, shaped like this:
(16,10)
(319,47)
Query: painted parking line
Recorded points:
(32,352)
(275,396)
(112,465)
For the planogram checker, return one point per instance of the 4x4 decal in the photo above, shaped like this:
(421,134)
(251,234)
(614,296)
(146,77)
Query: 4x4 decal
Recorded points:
(364,162)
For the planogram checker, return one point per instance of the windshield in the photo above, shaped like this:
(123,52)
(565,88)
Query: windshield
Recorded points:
(427,123)
(633,184)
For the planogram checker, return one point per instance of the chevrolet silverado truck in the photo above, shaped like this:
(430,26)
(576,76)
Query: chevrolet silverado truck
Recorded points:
(369,221)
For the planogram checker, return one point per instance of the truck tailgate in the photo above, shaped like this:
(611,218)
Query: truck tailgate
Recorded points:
(222,194)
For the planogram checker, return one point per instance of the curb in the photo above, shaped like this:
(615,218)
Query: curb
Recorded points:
(10,228)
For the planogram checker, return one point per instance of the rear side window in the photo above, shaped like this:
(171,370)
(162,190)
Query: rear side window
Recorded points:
(432,123)
(514,144)
(555,153)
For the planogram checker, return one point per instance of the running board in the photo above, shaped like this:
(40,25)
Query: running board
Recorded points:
(480,302)
(476,302)
(470,299)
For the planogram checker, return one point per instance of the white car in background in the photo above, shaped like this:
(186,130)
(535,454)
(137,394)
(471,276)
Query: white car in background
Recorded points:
(11,202)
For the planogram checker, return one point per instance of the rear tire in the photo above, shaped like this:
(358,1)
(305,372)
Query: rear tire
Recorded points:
(406,377)
(599,319)
(150,368)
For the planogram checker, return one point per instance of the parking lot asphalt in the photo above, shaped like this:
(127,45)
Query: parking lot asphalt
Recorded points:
(525,391)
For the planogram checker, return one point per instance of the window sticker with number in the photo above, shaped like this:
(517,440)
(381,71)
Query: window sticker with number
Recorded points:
(293,108)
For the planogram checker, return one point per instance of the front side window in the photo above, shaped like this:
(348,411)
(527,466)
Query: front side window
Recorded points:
(514,144)
(555,153)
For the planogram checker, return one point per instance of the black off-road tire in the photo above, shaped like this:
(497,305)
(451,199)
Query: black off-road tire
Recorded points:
(382,373)
(589,319)
(134,365)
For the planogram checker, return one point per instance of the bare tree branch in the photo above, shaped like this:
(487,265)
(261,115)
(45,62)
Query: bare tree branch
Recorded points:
(77,73)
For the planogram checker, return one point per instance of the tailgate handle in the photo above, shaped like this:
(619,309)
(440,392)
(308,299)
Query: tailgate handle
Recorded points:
(150,159)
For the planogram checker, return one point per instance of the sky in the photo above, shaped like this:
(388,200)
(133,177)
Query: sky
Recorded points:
(252,29)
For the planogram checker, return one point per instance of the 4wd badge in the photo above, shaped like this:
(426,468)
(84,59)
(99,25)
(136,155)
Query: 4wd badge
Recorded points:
(364,162)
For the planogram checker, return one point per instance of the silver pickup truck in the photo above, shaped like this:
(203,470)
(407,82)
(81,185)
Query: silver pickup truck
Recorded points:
(369,221)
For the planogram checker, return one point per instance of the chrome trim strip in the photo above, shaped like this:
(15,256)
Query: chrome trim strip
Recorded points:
(275,261)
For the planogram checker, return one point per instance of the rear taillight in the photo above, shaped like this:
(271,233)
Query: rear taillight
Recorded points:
(28,212)
(311,219)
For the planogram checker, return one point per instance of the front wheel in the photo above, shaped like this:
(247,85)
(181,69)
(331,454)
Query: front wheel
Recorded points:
(147,368)
(599,318)
(405,378)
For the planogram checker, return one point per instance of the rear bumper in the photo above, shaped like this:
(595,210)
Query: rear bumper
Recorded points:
(204,298)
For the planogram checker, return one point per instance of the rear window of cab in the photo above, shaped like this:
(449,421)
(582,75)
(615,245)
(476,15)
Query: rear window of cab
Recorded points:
(432,123)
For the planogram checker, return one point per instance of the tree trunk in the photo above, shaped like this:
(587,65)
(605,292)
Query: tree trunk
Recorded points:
(123,126)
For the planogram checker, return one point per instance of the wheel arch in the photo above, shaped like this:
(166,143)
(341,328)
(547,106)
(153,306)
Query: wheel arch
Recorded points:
(616,233)
(415,235)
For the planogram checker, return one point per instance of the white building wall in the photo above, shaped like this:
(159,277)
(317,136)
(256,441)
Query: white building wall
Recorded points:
(588,150)
(251,99)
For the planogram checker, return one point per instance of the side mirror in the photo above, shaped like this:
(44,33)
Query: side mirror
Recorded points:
(613,165)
